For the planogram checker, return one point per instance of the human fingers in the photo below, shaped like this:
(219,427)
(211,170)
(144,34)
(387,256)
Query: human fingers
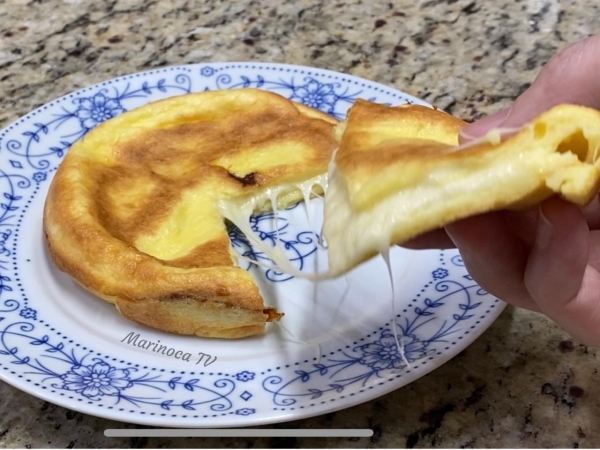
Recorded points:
(559,255)
(436,239)
(560,273)
(592,214)
(522,223)
(494,256)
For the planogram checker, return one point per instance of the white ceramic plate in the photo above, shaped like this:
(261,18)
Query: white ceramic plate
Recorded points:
(63,345)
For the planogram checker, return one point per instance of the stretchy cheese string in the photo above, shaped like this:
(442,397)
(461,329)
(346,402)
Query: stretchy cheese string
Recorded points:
(385,253)
(337,309)
(240,216)
(297,340)
(386,256)
(493,137)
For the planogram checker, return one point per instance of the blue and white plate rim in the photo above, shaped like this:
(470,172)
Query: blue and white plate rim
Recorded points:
(232,404)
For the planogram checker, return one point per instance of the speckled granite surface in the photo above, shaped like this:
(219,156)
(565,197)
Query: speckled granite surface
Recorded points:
(523,383)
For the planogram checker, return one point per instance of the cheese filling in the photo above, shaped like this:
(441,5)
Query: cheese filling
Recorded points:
(239,211)
(350,231)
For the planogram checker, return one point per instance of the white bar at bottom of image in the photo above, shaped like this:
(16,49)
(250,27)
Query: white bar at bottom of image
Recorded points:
(236,432)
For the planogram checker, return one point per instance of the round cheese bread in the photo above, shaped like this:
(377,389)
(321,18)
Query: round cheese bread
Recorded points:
(132,213)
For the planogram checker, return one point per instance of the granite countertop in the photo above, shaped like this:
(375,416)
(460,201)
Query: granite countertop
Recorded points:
(524,383)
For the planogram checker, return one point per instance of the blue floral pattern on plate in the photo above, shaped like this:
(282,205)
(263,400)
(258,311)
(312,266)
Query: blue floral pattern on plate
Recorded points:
(37,355)
(94,110)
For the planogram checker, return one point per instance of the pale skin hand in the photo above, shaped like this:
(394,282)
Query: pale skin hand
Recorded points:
(547,259)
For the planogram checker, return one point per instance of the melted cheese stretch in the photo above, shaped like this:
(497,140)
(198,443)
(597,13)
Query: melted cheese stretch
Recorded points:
(239,213)
(340,220)
(350,231)
(493,137)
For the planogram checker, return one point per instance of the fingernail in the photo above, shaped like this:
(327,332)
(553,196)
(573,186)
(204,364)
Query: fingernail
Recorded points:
(545,231)
(481,127)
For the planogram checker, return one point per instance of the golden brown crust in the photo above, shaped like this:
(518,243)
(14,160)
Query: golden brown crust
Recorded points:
(375,137)
(399,173)
(131,213)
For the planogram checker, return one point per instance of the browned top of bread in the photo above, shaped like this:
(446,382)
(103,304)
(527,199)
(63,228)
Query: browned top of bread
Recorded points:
(132,210)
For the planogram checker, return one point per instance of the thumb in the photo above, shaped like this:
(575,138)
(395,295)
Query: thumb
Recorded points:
(569,77)
(559,256)
(560,274)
